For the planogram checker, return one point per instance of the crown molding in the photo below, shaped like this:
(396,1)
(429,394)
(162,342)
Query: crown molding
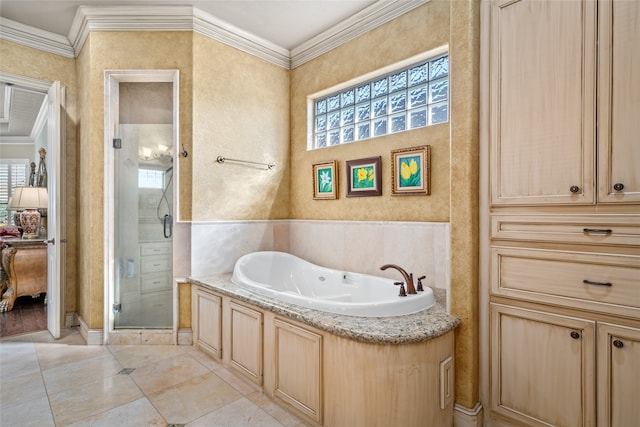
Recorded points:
(128,18)
(35,38)
(188,18)
(217,29)
(362,22)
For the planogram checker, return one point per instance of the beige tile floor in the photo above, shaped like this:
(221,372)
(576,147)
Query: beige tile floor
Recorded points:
(44,382)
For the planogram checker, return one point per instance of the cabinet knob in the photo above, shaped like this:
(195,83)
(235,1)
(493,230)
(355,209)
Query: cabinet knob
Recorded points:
(618,186)
(574,335)
(618,344)
(574,189)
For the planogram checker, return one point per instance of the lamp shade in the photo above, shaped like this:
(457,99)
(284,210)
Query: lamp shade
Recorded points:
(28,198)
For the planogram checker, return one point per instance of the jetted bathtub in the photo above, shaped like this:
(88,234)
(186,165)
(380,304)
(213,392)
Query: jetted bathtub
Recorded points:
(290,279)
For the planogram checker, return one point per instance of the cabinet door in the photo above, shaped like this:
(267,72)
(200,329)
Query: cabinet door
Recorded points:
(618,375)
(542,367)
(207,322)
(619,102)
(298,366)
(542,102)
(246,341)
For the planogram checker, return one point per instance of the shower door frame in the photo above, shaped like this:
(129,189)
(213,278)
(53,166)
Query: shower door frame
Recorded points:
(112,80)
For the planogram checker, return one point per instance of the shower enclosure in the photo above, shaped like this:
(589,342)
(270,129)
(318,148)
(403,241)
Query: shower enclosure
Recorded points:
(143,166)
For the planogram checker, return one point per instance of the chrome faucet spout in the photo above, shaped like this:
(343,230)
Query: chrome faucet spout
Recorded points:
(408,278)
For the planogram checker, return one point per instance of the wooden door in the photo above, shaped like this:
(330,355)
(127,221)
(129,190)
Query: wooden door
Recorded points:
(542,367)
(618,375)
(542,102)
(619,102)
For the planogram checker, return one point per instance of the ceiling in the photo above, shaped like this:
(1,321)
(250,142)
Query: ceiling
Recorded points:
(284,23)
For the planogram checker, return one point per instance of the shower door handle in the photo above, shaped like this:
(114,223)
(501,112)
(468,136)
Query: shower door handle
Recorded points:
(166,223)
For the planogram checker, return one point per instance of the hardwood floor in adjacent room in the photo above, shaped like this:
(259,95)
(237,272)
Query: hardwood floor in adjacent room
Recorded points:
(28,315)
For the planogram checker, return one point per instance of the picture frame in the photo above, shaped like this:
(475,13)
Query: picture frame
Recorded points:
(364,177)
(325,180)
(410,171)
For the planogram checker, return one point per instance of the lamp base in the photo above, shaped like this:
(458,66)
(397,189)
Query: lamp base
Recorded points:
(30,220)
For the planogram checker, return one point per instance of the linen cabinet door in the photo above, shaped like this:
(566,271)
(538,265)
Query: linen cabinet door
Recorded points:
(542,102)
(298,368)
(207,322)
(618,105)
(618,375)
(246,341)
(542,367)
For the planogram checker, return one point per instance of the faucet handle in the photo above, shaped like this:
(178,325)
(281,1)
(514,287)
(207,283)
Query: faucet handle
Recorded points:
(402,293)
(419,288)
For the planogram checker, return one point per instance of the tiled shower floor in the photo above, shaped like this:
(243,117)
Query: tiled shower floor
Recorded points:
(45,382)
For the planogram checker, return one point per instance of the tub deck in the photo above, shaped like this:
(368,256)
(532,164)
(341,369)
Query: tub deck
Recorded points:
(422,326)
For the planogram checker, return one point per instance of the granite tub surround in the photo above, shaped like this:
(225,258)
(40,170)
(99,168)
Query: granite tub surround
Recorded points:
(425,325)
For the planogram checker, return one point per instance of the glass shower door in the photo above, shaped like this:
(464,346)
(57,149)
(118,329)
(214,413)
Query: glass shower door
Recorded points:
(143,241)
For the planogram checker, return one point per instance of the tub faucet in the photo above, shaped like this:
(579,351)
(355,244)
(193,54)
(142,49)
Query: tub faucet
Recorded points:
(408,278)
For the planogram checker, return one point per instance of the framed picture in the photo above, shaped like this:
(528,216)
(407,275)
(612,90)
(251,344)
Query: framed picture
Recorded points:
(410,171)
(364,177)
(325,180)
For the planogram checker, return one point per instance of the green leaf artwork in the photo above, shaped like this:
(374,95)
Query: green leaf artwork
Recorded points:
(410,173)
(363,177)
(325,180)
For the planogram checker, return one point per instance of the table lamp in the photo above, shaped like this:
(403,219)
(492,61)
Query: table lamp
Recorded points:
(29,200)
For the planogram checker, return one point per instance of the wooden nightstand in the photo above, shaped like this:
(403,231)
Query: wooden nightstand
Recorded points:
(25,265)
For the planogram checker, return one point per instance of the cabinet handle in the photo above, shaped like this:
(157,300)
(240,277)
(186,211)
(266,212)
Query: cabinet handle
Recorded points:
(618,186)
(574,189)
(618,344)
(574,335)
(589,282)
(597,230)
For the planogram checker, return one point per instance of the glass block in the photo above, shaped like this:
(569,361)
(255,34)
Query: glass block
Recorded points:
(364,130)
(418,118)
(418,96)
(398,122)
(348,134)
(379,87)
(363,93)
(418,74)
(321,140)
(334,137)
(363,112)
(398,101)
(380,127)
(439,68)
(438,91)
(348,97)
(348,116)
(321,106)
(321,123)
(379,107)
(398,81)
(438,113)
(334,120)
(333,102)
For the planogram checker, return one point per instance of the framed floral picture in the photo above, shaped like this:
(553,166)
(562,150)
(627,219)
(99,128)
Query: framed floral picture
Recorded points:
(410,170)
(364,177)
(325,180)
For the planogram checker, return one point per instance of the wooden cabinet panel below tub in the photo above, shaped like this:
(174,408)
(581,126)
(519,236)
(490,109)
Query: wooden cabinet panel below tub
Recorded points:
(245,349)
(207,321)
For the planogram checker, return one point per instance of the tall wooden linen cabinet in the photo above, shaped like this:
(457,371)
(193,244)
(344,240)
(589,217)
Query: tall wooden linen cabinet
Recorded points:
(564,161)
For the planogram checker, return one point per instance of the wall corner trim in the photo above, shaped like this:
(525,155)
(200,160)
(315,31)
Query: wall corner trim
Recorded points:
(465,417)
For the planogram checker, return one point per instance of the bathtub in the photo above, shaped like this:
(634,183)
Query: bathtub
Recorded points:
(290,279)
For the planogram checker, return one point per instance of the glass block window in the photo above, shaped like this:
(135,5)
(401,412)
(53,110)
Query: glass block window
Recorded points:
(410,98)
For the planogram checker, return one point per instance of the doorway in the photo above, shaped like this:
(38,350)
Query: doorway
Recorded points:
(141,140)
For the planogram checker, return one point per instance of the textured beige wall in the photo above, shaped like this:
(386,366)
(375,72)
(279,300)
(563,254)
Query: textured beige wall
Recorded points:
(419,31)
(454,149)
(34,63)
(114,51)
(240,111)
